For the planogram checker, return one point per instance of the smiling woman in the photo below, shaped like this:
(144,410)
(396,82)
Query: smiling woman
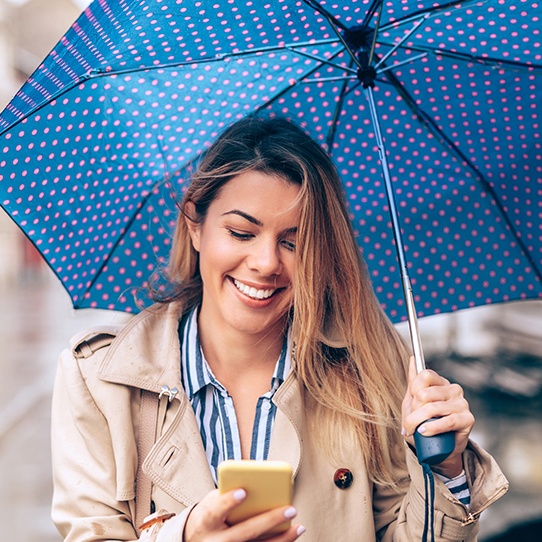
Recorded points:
(246,248)
(270,344)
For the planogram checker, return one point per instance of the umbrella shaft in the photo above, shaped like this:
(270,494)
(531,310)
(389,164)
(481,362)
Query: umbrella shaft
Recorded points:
(413,325)
(407,288)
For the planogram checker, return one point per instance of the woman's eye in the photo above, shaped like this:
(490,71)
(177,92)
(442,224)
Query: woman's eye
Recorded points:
(240,236)
(288,245)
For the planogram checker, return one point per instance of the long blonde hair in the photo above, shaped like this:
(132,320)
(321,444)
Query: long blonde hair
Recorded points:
(348,356)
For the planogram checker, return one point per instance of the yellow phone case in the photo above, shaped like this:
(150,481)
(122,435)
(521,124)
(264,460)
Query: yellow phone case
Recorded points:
(268,484)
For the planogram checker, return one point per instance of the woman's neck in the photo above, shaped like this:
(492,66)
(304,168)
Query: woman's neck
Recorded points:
(233,354)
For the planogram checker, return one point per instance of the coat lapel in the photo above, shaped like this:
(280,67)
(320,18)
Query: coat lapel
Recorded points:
(177,463)
(286,441)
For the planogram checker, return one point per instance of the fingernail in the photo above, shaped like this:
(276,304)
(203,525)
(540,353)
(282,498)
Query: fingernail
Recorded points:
(422,429)
(300,530)
(403,432)
(239,494)
(290,513)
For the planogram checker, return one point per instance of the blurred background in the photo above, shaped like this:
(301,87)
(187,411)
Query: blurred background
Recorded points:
(494,352)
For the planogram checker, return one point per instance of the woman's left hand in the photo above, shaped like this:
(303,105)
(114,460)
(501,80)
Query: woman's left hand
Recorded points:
(429,395)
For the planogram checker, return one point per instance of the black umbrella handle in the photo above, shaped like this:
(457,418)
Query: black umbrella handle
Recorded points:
(434,450)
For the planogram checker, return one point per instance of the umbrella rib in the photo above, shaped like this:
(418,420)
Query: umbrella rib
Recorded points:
(429,12)
(100,72)
(264,105)
(291,85)
(338,108)
(430,124)
(326,61)
(40,106)
(330,18)
(485,60)
(402,63)
(420,17)
(335,25)
(379,3)
(375,34)
(142,202)
(370,13)
(104,72)
(331,79)
(397,45)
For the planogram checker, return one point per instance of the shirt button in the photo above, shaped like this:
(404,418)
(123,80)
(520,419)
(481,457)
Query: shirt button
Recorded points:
(343,478)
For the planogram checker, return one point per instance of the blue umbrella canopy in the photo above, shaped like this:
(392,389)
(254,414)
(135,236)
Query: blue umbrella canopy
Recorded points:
(96,147)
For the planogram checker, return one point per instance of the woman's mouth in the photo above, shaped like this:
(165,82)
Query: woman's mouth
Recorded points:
(252,292)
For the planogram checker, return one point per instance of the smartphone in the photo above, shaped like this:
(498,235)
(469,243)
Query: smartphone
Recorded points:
(268,484)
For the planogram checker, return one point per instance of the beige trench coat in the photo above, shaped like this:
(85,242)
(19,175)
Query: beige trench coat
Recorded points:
(94,438)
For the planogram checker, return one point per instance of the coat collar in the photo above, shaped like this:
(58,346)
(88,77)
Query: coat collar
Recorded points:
(146,353)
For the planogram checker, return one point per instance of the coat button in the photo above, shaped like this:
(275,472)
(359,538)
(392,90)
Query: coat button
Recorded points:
(343,478)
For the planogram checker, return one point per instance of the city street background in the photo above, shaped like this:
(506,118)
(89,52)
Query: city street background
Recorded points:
(495,353)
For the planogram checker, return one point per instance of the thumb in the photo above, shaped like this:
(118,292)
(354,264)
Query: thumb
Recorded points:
(231,500)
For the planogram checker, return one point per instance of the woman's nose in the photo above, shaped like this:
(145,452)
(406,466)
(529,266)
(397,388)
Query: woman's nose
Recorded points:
(265,258)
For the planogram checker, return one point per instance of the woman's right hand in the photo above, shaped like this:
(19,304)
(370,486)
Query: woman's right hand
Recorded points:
(207,521)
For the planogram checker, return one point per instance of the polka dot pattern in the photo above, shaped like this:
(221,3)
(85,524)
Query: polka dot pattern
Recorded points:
(98,145)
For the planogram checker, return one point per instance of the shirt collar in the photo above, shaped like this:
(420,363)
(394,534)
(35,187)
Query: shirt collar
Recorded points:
(195,371)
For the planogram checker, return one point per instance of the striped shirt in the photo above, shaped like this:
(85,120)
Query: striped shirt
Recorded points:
(215,411)
(458,486)
(213,405)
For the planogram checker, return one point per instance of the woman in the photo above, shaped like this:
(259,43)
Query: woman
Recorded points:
(270,344)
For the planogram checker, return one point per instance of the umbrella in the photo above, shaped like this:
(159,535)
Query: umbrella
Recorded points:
(436,101)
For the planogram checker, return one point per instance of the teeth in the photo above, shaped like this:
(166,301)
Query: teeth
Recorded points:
(253,292)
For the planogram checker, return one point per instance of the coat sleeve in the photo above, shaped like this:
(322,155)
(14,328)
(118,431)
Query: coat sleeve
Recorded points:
(94,456)
(400,512)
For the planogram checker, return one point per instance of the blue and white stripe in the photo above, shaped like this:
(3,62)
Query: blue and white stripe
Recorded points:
(213,406)
(458,486)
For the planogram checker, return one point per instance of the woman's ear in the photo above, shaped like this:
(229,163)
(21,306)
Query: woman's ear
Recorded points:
(192,225)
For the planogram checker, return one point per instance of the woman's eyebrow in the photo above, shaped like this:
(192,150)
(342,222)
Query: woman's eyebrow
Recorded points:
(246,216)
(254,220)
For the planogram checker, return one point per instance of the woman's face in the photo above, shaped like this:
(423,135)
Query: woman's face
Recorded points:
(246,251)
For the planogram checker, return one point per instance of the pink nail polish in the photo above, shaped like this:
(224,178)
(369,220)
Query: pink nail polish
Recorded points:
(239,494)
(300,530)
(290,513)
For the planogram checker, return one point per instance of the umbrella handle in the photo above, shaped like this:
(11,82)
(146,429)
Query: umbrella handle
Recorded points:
(435,449)
(430,450)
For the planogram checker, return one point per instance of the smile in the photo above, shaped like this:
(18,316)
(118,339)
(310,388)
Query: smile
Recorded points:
(252,292)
